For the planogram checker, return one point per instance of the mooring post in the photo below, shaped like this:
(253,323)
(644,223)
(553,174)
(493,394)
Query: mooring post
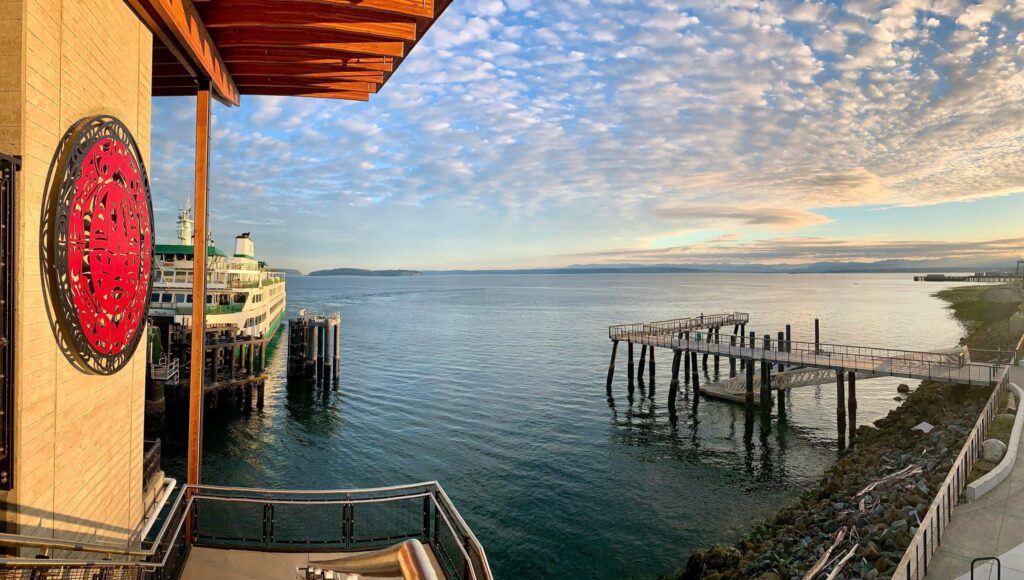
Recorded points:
(750,384)
(841,407)
(817,337)
(629,366)
(323,354)
(611,367)
(673,388)
(789,338)
(780,346)
(782,401)
(643,362)
(732,359)
(852,405)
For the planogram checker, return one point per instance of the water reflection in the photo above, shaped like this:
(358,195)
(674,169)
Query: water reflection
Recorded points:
(711,432)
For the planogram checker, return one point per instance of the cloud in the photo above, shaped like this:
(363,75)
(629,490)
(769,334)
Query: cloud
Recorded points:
(523,128)
(802,250)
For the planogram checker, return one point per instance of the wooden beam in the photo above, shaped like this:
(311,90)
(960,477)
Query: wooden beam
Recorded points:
(313,72)
(313,93)
(198,352)
(256,81)
(178,25)
(415,8)
(307,16)
(306,56)
(351,44)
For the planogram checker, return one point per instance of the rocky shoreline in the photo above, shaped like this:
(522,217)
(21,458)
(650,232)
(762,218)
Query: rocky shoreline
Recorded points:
(878,523)
(868,505)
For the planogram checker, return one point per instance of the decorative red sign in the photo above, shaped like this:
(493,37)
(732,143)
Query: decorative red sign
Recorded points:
(99,244)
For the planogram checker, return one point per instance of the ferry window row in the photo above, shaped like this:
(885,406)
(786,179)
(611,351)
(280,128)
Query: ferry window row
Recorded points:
(255,320)
(169,298)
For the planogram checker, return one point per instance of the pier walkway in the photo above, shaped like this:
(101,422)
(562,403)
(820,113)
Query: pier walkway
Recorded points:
(990,526)
(948,367)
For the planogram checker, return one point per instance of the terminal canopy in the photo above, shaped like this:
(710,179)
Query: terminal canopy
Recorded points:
(337,49)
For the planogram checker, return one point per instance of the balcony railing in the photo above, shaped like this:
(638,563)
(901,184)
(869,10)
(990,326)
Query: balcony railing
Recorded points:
(272,521)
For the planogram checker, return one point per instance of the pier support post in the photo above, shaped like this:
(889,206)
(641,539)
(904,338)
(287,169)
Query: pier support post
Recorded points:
(789,338)
(780,346)
(252,358)
(841,407)
(673,388)
(718,341)
(630,371)
(781,397)
(263,357)
(852,404)
(650,369)
(732,359)
(336,369)
(695,378)
(750,384)
(323,354)
(611,367)
(766,378)
(686,366)
(643,364)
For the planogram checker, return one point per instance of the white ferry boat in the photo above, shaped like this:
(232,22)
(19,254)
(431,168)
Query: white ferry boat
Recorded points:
(241,291)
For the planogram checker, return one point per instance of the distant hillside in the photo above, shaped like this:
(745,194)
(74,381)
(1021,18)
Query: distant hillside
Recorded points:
(359,272)
(290,271)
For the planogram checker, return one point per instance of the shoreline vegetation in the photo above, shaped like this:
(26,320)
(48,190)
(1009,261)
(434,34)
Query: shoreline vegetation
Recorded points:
(866,508)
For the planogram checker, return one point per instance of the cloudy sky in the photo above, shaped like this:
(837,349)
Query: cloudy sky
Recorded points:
(525,133)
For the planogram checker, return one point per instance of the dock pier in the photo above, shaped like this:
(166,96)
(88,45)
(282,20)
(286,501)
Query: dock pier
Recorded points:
(797,363)
(312,340)
(234,373)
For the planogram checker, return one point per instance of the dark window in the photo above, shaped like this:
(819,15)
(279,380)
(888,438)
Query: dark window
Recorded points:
(8,169)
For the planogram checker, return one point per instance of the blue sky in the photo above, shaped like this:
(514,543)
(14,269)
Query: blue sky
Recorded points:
(523,133)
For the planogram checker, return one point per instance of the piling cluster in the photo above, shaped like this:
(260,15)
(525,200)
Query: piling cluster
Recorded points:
(312,340)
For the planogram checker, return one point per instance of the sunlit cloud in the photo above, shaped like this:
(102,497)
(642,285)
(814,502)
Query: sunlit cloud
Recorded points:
(523,129)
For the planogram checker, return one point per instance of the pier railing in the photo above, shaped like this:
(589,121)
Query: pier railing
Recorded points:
(928,537)
(696,322)
(947,366)
(276,521)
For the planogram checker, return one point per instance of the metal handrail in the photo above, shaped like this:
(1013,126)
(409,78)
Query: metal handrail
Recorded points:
(151,558)
(914,564)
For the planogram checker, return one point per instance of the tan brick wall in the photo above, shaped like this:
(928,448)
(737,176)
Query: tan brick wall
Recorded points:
(79,437)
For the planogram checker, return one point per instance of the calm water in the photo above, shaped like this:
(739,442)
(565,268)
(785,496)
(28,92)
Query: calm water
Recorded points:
(494,386)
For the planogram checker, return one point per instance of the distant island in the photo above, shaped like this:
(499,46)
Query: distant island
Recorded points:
(360,272)
(290,271)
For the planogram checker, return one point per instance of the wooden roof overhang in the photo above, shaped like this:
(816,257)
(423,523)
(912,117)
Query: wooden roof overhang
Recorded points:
(338,49)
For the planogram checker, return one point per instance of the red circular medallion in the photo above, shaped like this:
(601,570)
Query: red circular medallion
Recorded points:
(100,250)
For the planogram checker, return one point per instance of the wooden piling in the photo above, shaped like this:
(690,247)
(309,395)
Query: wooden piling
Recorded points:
(780,346)
(732,359)
(817,336)
(650,369)
(611,367)
(766,378)
(695,379)
(718,340)
(781,397)
(336,369)
(686,364)
(673,388)
(841,407)
(750,384)
(630,371)
(643,363)
(789,338)
(852,404)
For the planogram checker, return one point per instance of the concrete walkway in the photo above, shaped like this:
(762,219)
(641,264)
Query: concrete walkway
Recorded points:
(991,526)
